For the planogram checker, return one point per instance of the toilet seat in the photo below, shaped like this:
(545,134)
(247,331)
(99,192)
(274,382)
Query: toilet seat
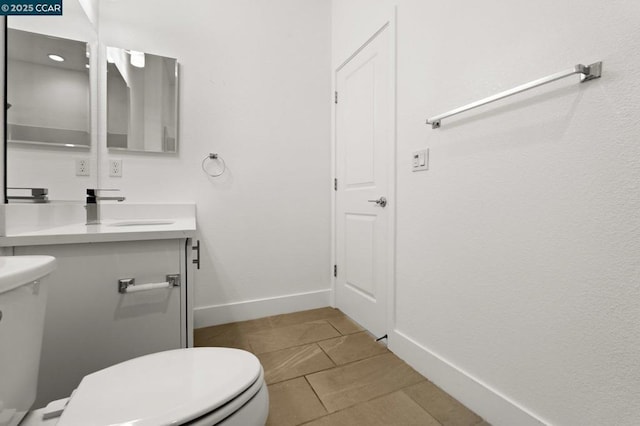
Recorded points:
(166,388)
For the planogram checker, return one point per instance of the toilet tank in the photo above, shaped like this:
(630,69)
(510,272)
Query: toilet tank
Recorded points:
(23,295)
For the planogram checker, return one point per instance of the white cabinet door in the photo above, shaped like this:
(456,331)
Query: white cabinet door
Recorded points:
(90,325)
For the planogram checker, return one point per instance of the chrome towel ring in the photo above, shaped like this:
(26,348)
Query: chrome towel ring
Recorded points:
(212,156)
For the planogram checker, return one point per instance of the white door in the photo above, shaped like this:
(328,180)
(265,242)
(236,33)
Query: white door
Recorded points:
(364,156)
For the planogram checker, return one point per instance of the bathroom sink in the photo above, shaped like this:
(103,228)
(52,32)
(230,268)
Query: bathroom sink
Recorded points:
(143,222)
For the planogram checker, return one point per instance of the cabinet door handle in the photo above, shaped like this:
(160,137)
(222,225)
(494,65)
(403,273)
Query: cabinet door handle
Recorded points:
(128,285)
(196,261)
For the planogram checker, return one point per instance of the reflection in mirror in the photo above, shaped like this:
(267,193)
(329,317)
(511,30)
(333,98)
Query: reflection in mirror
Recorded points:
(142,101)
(48,114)
(48,90)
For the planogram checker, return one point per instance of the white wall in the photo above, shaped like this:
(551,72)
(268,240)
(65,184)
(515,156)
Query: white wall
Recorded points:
(35,166)
(47,96)
(74,24)
(255,88)
(517,253)
(90,8)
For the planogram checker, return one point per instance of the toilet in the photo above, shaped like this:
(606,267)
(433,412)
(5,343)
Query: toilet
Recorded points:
(194,386)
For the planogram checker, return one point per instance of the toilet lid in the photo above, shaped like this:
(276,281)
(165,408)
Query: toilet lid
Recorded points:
(165,388)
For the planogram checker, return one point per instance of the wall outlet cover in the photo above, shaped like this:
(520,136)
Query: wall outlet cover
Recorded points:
(83,167)
(115,168)
(420,160)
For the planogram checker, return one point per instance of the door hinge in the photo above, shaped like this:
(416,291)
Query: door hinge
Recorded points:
(335,270)
(335,184)
(335,97)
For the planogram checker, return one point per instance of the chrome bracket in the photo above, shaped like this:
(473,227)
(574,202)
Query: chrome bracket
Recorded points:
(174,280)
(434,124)
(124,283)
(590,72)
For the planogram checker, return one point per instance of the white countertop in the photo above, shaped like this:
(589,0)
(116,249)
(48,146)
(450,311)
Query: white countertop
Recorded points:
(182,226)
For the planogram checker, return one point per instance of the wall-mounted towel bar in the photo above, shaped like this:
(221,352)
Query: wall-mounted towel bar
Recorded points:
(128,285)
(587,72)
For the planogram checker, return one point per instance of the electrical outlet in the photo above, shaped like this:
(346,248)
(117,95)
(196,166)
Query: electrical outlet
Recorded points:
(115,168)
(82,167)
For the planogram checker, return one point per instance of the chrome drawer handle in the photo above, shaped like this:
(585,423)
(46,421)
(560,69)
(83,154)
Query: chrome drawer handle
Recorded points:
(128,285)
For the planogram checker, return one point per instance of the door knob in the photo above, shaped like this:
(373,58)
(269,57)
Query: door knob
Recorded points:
(382,202)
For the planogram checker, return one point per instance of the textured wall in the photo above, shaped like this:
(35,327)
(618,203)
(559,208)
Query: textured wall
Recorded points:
(517,253)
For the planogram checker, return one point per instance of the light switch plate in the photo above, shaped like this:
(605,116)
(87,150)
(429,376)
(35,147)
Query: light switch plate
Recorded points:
(420,160)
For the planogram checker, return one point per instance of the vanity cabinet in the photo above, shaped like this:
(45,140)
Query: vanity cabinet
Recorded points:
(90,325)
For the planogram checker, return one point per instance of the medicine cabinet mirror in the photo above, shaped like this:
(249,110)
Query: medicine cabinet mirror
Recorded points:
(142,101)
(51,106)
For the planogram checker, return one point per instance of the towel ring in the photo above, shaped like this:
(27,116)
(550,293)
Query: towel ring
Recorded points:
(212,156)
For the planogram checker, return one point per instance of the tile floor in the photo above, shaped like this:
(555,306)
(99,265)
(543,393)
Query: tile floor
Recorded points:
(324,369)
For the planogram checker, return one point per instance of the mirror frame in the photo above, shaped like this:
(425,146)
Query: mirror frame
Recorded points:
(104,103)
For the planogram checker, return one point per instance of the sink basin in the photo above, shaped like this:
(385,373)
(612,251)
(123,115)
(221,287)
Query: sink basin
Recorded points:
(144,222)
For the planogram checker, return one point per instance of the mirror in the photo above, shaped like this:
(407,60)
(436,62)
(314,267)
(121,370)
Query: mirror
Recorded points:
(48,90)
(142,101)
(50,149)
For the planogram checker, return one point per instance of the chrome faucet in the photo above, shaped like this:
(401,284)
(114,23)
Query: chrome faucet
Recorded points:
(38,195)
(93,207)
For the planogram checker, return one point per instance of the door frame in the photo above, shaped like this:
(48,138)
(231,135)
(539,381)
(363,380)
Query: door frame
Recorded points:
(389,25)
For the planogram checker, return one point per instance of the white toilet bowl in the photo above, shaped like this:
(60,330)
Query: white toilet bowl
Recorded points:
(196,386)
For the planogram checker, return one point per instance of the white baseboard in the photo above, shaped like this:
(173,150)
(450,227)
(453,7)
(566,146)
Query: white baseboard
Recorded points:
(251,309)
(494,407)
